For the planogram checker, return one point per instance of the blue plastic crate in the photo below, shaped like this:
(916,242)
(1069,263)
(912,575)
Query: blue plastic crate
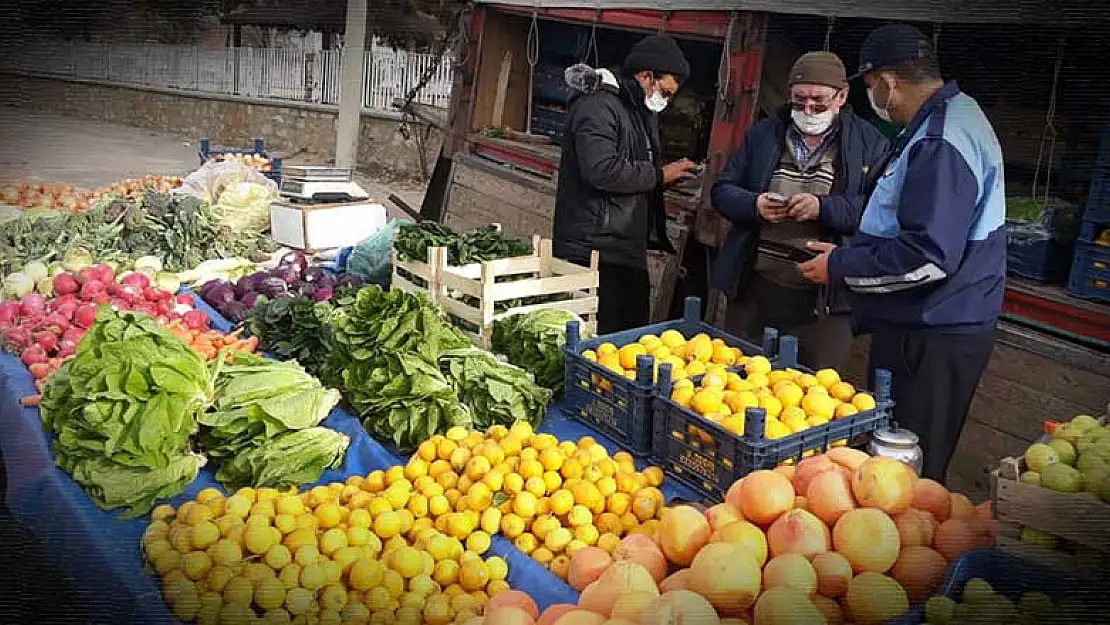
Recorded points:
(1090,272)
(1035,257)
(709,458)
(622,408)
(1097,207)
(548,121)
(1090,231)
(207,151)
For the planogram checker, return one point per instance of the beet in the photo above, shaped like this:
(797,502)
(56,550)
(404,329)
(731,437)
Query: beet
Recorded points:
(196,320)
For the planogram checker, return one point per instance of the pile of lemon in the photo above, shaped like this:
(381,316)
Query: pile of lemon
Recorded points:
(794,401)
(686,357)
(364,551)
(551,498)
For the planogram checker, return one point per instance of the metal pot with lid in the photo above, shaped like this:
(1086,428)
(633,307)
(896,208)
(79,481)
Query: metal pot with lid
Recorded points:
(898,443)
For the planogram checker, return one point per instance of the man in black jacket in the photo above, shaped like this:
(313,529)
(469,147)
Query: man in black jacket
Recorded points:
(611,177)
(798,176)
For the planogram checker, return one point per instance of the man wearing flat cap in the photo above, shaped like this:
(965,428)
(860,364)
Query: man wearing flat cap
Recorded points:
(927,271)
(612,176)
(799,176)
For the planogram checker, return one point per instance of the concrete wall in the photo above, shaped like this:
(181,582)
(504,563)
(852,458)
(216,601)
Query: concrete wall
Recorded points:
(300,132)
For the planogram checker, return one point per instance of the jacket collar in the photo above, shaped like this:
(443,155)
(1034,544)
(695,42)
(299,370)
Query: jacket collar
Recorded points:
(935,101)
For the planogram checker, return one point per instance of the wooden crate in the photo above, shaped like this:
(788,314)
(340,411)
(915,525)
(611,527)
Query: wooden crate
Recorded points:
(1080,519)
(470,293)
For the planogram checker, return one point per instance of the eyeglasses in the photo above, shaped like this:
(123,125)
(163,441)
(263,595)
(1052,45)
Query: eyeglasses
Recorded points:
(820,105)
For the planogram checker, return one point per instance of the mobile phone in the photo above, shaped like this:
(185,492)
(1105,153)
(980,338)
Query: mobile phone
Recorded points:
(699,170)
(777,198)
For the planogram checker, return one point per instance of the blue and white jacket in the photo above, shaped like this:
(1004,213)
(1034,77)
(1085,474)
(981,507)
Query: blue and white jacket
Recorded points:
(931,249)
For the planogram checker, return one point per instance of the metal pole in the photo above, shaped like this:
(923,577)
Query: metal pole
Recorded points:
(351,85)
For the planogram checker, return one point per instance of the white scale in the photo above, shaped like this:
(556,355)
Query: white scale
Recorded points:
(320,184)
(322,208)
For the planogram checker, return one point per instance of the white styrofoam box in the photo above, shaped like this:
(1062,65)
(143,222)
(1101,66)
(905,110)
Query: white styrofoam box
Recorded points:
(325,226)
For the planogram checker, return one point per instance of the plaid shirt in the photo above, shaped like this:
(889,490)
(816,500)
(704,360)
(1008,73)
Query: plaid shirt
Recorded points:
(805,155)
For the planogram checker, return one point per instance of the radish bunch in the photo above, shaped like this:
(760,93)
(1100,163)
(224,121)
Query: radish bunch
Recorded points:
(42,330)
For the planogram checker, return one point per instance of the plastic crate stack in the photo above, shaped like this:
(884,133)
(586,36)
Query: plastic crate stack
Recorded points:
(1090,269)
(550,94)
(639,414)
(207,152)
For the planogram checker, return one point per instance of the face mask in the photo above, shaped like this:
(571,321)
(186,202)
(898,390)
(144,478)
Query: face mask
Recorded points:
(655,102)
(812,124)
(882,111)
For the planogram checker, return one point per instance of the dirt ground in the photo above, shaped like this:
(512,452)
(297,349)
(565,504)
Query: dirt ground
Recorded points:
(88,153)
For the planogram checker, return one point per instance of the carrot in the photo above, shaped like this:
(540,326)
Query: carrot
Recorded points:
(31,401)
(234,334)
(252,343)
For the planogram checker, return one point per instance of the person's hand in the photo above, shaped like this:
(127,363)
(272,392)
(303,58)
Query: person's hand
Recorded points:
(803,207)
(770,210)
(817,269)
(678,170)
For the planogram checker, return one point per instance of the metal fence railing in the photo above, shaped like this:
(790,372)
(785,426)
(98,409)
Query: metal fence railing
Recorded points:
(277,73)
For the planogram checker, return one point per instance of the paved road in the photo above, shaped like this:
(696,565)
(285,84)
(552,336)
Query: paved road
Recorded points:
(88,153)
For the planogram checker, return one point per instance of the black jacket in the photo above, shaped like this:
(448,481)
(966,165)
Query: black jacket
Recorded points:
(610,195)
(748,173)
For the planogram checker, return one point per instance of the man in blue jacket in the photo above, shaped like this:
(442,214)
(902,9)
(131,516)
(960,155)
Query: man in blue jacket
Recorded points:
(928,268)
(817,155)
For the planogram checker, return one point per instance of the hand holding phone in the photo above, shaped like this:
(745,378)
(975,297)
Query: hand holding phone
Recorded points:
(772,207)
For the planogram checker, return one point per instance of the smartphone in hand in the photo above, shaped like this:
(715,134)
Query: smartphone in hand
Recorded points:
(777,198)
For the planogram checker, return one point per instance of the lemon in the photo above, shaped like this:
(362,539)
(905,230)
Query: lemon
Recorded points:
(757,364)
(827,378)
(628,354)
(863,402)
(796,423)
(498,568)
(478,542)
(706,401)
(387,525)
(816,421)
(817,405)
(473,575)
(525,542)
(590,355)
(238,590)
(776,429)
(446,572)
(225,552)
(772,405)
(512,526)
(789,394)
(606,349)
(672,339)
(845,410)
(723,355)
(524,504)
(734,424)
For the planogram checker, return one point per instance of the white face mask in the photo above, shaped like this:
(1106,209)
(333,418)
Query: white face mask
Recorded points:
(882,111)
(812,124)
(655,102)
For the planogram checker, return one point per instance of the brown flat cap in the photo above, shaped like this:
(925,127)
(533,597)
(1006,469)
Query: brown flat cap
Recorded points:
(819,68)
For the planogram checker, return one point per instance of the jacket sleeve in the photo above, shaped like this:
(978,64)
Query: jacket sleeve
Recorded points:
(729,194)
(935,214)
(595,135)
(841,213)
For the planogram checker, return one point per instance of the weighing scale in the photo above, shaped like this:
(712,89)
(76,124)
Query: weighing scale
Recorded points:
(320,184)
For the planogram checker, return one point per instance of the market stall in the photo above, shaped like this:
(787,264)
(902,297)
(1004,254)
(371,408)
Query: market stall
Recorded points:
(180,470)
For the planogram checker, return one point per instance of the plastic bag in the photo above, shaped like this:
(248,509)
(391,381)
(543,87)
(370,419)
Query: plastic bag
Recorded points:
(246,205)
(209,182)
(370,260)
(1029,221)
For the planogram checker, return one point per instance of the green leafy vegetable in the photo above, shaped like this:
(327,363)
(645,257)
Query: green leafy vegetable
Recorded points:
(293,329)
(126,405)
(258,399)
(535,342)
(292,458)
(413,241)
(495,392)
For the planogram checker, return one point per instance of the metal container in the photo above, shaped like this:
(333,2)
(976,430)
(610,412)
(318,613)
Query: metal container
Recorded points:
(899,444)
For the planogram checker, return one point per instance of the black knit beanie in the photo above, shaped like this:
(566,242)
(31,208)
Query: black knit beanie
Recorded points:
(659,54)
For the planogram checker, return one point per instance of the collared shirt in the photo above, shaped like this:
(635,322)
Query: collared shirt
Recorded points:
(804,154)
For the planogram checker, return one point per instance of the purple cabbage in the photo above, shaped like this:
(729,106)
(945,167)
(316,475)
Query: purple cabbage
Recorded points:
(307,290)
(207,287)
(287,273)
(297,260)
(220,295)
(235,312)
(272,287)
(323,294)
(348,279)
(315,274)
(249,283)
(251,299)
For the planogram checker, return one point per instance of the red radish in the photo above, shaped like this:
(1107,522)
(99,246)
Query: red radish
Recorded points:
(196,320)
(16,339)
(65,309)
(132,294)
(73,334)
(32,305)
(85,316)
(9,310)
(66,348)
(40,370)
(115,289)
(65,284)
(70,298)
(163,306)
(32,355)
(88,274)
(135,279)
(104,273)
(92,289)
(56,323)
(46,339)
(102,298)
(186,299)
